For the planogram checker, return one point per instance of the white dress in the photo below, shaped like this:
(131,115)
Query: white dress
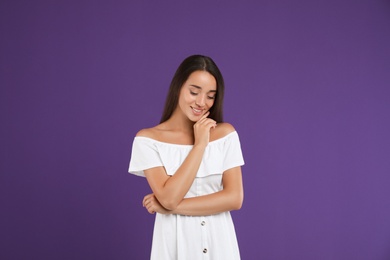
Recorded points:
(191,237)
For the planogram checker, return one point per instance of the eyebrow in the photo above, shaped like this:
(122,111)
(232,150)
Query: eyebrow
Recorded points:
(195,86)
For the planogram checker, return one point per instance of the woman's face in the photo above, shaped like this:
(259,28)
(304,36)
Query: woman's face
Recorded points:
(197,94)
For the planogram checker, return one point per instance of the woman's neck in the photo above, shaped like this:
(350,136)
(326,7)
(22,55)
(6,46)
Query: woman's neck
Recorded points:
(180,123)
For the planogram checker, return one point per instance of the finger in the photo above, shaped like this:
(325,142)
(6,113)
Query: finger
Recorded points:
(210,123)
(148,203)
(204,121)
(150,209)
(146,198)
(205,115)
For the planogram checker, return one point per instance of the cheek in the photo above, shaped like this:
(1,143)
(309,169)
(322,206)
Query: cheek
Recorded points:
(210,103)
(184,98)
(189,98)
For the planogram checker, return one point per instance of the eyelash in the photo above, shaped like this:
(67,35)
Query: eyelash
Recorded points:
(194,94)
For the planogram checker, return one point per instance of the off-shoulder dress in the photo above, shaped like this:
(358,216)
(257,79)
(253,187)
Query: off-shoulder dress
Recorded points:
(191,237)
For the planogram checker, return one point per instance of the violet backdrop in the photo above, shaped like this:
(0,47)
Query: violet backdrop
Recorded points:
(307,88)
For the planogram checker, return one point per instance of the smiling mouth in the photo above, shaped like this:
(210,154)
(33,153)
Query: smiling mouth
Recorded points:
(197,111)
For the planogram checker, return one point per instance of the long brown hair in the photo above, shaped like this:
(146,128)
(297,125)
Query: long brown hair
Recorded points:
(188,66)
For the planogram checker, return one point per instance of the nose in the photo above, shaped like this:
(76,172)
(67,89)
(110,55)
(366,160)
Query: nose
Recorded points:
(201,100)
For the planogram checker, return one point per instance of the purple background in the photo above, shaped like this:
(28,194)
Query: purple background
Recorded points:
(307,89)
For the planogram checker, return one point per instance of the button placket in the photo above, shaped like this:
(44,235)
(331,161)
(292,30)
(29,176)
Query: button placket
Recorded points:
(202,222)
(204,238)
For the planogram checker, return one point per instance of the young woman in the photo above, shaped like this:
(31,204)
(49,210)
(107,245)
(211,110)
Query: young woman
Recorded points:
(192,162)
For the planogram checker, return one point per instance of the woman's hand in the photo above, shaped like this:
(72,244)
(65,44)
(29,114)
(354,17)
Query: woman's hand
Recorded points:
(152,205)
(202,130)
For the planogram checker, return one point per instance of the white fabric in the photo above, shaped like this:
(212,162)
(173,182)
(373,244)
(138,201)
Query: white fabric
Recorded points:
(191,237)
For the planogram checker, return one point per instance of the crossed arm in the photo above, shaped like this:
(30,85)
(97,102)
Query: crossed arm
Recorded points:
(169,199)
(168,192)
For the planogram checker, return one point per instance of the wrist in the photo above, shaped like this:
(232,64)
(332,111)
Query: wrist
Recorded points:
(200,146)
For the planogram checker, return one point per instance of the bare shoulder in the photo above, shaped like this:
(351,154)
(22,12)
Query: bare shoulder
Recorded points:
(222,130)
(148,132)
(225,128)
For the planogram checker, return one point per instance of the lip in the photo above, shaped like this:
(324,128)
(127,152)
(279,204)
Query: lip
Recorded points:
(197,111)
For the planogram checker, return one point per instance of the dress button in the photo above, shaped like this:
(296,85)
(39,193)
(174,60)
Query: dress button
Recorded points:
(203,223)
(205,250)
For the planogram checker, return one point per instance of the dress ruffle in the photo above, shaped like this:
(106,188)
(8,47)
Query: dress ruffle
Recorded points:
(148,153)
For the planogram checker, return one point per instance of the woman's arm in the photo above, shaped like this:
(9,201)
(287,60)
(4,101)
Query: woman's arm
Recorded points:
(230,198)
(170,190)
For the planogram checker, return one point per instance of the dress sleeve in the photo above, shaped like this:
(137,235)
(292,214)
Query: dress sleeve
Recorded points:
(144,155)
(232,152)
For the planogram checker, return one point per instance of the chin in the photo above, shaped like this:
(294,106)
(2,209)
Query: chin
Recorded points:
(194,120)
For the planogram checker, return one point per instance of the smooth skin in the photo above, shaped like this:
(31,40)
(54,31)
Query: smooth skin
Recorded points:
(189,124)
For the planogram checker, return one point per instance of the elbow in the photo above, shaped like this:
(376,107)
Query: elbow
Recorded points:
(237,201)
(169,204)
(237,205)
(168,200)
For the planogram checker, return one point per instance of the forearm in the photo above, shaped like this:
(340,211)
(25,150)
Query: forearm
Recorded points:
(210,204)
(228,199)
(176,187)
